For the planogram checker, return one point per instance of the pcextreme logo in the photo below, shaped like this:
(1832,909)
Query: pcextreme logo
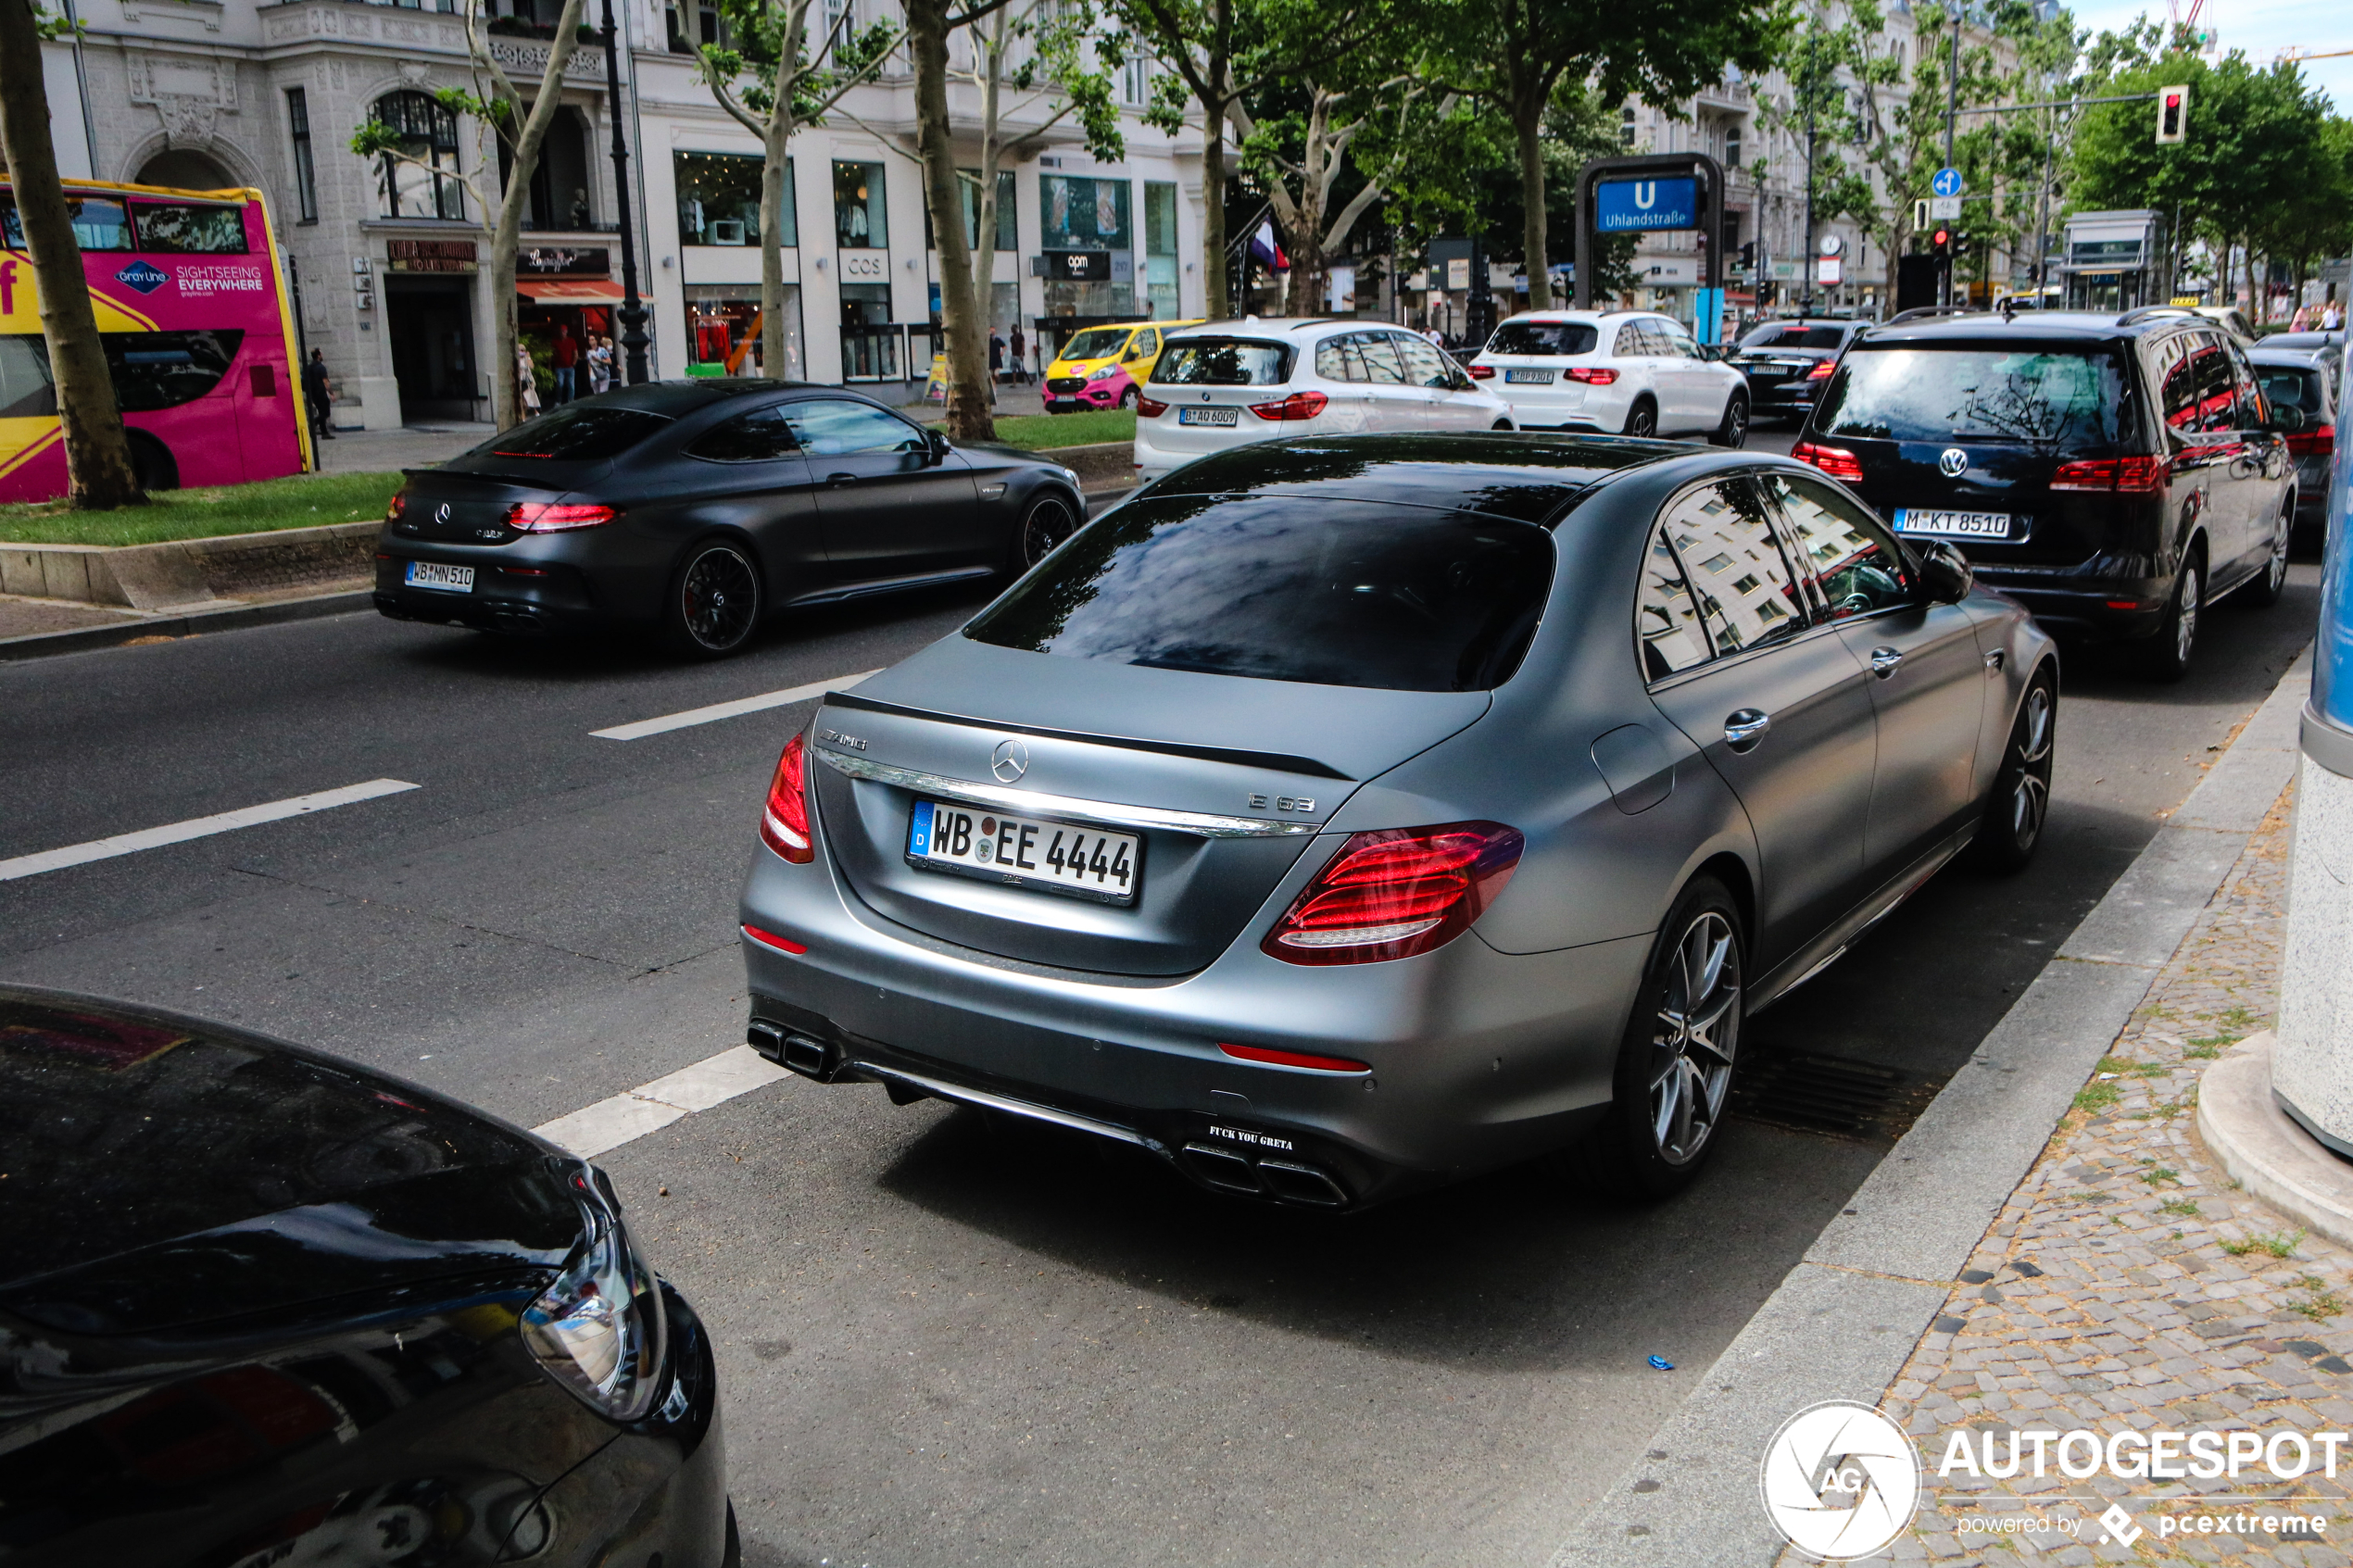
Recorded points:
(1839,1480)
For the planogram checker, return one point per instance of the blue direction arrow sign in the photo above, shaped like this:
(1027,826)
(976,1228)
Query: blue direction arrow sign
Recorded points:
(1947,181)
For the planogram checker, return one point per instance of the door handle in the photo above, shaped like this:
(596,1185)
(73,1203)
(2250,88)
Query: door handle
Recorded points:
(1886,661)
(1746,727)
(841,479)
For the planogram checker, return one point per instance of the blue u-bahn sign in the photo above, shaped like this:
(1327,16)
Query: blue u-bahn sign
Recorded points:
(1628,205)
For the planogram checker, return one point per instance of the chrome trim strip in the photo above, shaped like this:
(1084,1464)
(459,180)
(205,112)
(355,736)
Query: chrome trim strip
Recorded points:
(1001,1102)
(1203,824)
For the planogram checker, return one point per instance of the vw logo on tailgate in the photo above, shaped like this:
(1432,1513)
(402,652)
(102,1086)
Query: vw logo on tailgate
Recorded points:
(1010,761)
(1953,460)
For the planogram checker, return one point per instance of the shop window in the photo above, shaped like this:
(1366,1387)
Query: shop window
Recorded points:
(860,220)
(417,185)
(1080,214)
(719,199)
(1007,228)
(1159,249)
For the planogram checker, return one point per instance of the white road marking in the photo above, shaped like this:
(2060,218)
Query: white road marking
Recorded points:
(648,1108)
(719,710)
(196,827)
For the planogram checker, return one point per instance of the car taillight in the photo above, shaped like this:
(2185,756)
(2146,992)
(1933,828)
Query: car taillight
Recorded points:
(1591,375)
(399,505)
(1482,372)
(784,826)
(551,517)
(2318,441)
(1836,461)
(1148,407)
(2126,476)
(1396,892)
(1298,406)
(1821,371)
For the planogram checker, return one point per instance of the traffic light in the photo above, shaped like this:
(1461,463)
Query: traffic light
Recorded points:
(1919,215)
(1940,244)
(1748,256)
(2172,115)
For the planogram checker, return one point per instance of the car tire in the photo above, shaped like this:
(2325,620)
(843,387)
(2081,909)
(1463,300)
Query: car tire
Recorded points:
(1127,398)
(1048,521)
(1502,425)
(2019,803)
(151,461)
(1733,430)
(715,600)
(2166,656)
(2263,590)
(1643,418)
(1674,1076)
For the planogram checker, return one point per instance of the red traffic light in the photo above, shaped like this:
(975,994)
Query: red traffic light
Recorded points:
(2173,100)
(1943,237)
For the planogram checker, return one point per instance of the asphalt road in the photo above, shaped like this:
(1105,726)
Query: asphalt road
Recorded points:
(940,1343)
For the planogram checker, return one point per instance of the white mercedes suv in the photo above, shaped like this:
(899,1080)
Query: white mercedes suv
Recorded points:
(1231,382)
(1613,370)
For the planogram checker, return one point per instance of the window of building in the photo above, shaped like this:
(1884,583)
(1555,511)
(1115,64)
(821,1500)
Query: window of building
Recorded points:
(1083,214)
(416,185)
(1159,249)
(1625,127)
(860,220)
(306,178)
(1731,146)
(1136,81)
(719,199)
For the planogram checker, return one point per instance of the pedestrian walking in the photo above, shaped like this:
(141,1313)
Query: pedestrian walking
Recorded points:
(565,357)
(1021,350)
(599,365)
(2332,315)
(2302,320)
(317,397)
(996,356)
(528,375)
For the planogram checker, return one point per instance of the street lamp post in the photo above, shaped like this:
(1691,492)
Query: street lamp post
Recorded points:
(633,310)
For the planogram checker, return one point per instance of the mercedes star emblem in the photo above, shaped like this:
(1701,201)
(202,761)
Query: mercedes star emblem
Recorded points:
(1010,761)
(442,513)
(1952,460)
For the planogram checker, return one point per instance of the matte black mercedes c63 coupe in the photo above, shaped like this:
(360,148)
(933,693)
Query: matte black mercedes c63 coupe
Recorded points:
(696,508)
(258,1306)
(1344,814)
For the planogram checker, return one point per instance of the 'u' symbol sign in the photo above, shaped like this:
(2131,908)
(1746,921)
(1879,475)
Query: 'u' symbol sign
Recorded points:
(1646,194)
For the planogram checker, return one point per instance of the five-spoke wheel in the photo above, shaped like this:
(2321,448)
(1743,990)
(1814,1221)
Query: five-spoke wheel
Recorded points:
(2021,798)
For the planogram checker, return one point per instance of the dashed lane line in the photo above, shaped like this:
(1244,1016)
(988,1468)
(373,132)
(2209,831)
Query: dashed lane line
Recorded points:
(719,710)
(196,827)
(648,1108)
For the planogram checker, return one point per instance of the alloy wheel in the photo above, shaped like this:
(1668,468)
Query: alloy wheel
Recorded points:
(2192,592)
(1049,524)
(1695,1039)
(1642,420)
(2030,797)
(2275,575)
(718,598)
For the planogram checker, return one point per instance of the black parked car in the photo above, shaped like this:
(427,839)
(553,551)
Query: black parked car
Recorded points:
(258,1306)
(2300,385)
(1786,363)
(2115,474)
(699,506)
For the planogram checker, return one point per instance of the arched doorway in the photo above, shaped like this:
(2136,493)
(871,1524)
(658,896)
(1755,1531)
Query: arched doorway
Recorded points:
(184,170)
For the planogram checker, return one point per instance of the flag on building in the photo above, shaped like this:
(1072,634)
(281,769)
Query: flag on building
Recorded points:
(1265,251)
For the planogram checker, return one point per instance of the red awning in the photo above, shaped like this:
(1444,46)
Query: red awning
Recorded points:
(570,291)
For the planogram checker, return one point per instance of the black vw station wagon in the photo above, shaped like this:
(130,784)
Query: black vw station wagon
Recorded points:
(2114,473)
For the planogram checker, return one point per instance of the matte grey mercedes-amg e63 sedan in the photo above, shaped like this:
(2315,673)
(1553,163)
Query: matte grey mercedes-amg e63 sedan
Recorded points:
(1339,815)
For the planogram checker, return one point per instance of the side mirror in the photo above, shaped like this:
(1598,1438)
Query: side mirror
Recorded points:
(2285,419)
(937,443)
(1945,573)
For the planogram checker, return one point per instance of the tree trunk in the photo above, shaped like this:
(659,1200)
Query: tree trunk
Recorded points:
(507,236)
(98,472)
(1216,300)
(968,389)
(985,198)
(771,231)
(1527,123)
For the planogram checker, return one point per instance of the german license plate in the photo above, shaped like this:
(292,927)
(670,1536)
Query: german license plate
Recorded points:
(1953,525)
(1027,852)
(449,579)
(1529,378)
(1208,416)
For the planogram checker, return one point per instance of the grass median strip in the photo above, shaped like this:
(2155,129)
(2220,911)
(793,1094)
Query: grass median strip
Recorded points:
(303,500)
(1034,432)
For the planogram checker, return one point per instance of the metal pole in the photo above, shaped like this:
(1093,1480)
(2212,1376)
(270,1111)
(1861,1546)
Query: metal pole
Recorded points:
(2043,223)
(1951,109)
(1805,297)
(633,310)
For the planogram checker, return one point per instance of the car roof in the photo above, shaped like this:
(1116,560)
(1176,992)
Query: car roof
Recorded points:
(676,400)
(1523,478)
(1579,315)
(2086,325)
(2314,358)
(1275,326)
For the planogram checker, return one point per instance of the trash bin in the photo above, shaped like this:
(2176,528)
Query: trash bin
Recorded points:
(2312,1064)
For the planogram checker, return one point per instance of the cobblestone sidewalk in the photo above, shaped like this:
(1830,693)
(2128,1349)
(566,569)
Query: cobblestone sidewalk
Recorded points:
(2127,1285)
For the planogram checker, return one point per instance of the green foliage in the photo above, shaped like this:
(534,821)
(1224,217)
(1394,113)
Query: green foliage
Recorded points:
(763,35)
(298,501)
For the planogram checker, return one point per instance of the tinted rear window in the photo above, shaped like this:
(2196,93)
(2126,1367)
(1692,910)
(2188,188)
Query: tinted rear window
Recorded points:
(1284,588)
(1795,334)
(1543,337)
(1223,362)
(2065,394)
(2290,386)
(573,433)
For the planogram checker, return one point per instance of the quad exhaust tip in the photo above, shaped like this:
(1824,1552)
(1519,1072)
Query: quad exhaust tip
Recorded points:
(804,1054)
(1287,1181)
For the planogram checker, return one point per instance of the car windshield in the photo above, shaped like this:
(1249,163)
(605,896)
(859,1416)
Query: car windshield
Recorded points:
(1096,343)
(1543,337)
(1288,588)
(2290,386)
(2067,394)
(575,432)
(1223,362)
(1795,334)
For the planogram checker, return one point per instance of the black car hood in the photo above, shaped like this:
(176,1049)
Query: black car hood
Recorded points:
(159,1172)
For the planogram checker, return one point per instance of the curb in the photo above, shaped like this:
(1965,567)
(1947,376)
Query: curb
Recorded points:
(2260,1145)
(43,644)
(1845,1320)
(177,573)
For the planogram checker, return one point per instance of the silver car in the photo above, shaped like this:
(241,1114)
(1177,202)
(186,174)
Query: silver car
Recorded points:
(1338,816)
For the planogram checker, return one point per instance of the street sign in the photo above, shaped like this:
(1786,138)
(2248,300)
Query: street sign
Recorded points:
(1830,270)
(1944,209)
(1947,181)
(1631,206)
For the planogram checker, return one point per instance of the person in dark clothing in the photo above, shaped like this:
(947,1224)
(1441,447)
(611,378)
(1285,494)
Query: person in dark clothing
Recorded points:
(565,357)
(1021,362)
(996,356)
(316,397)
